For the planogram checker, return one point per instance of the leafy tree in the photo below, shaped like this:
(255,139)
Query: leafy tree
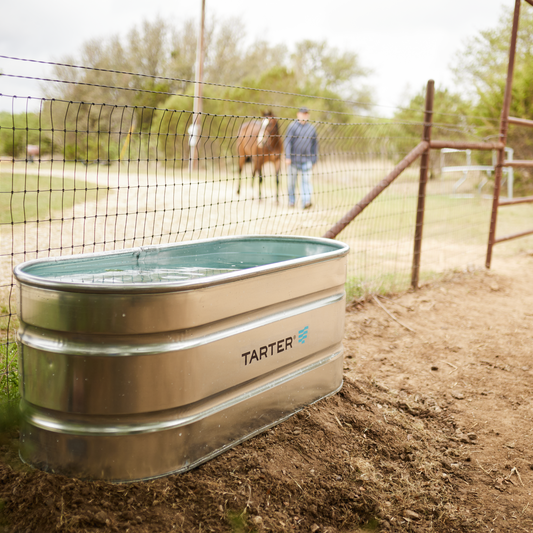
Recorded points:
(228,58)
(148,53)
(452,121)
(162,61)
(319,65)
(226,108)
(19,130)
(182,61)
(481,70)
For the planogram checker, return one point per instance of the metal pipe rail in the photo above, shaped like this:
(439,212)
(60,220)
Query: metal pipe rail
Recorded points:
(517,163)
(513,236)
(521,121)
(468,168)
(465,145)
(514,201)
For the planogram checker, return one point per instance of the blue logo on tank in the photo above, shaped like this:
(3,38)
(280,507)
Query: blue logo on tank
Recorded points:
(302,335)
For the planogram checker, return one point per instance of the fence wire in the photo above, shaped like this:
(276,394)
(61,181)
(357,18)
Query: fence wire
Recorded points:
(82,176)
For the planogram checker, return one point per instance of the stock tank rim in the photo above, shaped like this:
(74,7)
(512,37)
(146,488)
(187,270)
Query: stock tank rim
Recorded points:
(338,249)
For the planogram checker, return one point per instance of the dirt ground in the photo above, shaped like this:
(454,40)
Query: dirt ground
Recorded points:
(432,431)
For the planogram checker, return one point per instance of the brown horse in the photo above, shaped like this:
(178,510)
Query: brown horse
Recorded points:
(259,141)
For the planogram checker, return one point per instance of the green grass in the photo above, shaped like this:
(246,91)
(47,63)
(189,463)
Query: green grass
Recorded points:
(452,219)
(444,215)
(8,320)
(9,394)
(9,377)
(371,525)
(28,198)
(9,419)
(238,522)
(358,288)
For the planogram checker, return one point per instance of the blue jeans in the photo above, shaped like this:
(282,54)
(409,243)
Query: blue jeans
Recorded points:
(307,186)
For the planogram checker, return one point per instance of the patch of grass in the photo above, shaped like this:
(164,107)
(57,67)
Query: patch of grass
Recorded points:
(9,375)
(358,288)
(28,198)
(8,320)
(9,418)
(371,525)
(238,522)
(10,415)
(354,289)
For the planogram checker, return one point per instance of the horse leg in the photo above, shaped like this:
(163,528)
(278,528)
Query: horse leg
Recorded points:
(255,168)
(260,161)
(277,167)
(241,164)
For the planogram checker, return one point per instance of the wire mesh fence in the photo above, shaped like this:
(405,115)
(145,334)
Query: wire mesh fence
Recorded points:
(94,175)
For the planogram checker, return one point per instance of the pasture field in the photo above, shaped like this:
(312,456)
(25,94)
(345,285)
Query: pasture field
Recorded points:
(72,208)
(29,198)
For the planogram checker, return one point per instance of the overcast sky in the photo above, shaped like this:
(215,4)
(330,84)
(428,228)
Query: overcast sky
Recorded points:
(404,42)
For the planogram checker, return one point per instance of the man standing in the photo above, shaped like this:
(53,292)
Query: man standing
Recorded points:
(301,153)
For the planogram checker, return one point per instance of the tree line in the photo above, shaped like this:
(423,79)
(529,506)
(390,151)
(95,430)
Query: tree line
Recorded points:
(127,81)
(480,72)
(142,85)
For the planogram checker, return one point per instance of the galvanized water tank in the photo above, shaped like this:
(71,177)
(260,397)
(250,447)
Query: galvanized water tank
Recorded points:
(143,362)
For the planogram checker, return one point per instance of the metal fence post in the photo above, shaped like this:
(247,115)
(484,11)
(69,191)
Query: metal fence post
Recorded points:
(424,167)
(504,124)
